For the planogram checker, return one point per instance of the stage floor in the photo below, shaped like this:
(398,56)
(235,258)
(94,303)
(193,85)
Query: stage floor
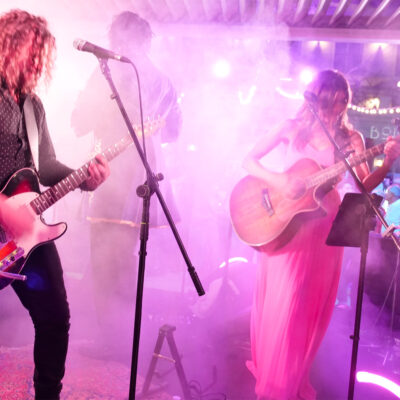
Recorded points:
(86,378)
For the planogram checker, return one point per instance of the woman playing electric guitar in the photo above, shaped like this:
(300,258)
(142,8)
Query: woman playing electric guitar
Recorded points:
(297,282)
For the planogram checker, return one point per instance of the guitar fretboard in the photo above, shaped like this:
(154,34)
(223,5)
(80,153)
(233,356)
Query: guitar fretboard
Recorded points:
(74,179)
(333,171)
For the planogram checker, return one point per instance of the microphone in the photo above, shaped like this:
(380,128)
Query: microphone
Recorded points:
(83,45)
(310,96)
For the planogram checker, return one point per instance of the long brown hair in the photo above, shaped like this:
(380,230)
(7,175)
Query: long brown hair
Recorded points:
(26,51)
(325,87)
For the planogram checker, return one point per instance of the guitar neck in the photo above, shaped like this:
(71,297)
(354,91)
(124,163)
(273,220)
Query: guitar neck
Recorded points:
(333,171)
(75,179)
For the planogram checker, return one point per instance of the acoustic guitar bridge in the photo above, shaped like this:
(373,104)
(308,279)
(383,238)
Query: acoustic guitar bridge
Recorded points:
(267,202)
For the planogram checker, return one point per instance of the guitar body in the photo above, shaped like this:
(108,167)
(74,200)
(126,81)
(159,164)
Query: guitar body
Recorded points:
(266,217)
(21,190)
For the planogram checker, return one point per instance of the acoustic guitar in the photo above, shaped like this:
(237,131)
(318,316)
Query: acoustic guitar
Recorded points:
(265,216)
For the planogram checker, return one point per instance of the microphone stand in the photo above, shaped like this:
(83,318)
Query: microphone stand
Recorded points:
(365,228)
(145,191)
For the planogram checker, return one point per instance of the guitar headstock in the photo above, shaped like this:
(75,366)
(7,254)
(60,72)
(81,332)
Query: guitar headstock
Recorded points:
(150,126)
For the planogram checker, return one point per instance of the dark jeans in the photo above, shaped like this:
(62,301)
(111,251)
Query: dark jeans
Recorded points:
(43,295)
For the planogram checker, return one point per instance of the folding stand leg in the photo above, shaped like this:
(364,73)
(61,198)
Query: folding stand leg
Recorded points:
(152,367)
(166,331)
(178,365)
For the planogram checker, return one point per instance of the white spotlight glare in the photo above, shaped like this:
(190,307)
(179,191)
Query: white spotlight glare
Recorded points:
(232,260)
(306,76)
(323,44)
(376,46)
(221,68)
(180,97)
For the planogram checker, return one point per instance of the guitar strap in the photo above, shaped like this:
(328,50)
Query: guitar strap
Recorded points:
(32,131)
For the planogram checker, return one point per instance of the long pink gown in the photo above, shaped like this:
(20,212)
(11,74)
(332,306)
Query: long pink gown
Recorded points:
(293,302)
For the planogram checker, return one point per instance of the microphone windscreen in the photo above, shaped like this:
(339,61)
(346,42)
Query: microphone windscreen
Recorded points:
(78,43)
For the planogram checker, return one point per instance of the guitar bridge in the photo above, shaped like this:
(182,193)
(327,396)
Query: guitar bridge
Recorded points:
(266,201)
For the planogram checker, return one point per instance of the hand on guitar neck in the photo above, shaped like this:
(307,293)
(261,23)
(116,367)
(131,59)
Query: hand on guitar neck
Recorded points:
(99,171)
(17,220)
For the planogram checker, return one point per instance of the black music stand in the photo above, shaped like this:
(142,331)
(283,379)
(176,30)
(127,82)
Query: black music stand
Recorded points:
(350,228)
(347,225)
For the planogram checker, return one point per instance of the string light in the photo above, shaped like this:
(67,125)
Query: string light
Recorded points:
(375,111)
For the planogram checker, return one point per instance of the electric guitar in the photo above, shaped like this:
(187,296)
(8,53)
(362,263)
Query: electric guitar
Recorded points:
(265,216)
(22,189)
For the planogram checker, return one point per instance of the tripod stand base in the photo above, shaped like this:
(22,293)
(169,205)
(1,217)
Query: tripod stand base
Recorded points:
(166,332)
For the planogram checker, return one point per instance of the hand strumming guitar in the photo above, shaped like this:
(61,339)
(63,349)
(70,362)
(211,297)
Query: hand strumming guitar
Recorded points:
(391,150)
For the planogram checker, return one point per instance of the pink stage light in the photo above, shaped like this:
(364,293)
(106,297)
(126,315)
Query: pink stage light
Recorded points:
(368,377)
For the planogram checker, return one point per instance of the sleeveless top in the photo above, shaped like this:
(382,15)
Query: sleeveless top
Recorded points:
(323,157)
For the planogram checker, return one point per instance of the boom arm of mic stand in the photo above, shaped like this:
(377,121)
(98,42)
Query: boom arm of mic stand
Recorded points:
(191,270)
(150,177)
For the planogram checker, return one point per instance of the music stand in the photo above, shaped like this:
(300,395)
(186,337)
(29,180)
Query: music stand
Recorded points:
(365,208)
(350,228)
(347,225)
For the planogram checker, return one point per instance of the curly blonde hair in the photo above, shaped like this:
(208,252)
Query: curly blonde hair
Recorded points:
(26,52)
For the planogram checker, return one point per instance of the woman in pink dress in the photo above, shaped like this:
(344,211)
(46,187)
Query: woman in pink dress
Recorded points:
(296,285)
